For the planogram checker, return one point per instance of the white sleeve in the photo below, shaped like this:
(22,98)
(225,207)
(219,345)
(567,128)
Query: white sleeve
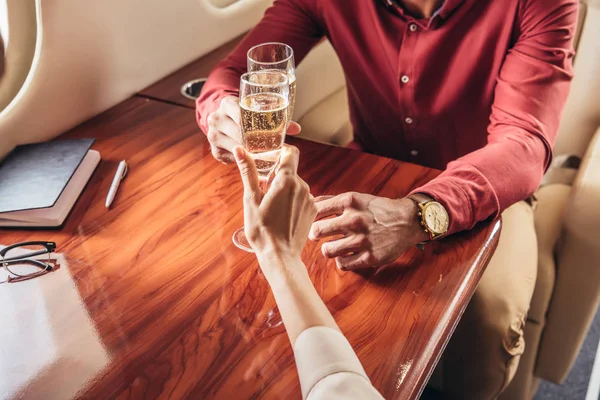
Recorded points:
(328,367)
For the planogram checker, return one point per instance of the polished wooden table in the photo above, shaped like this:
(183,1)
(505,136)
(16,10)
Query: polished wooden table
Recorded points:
(154,300)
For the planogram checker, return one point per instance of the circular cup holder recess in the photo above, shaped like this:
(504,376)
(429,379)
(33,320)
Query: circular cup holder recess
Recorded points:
(191,90)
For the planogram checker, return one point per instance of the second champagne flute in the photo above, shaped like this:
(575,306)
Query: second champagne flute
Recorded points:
(264,100)
(277,56)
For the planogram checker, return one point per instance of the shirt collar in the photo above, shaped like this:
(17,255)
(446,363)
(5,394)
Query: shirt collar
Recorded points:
(448,7)
(437,12)
(444,11)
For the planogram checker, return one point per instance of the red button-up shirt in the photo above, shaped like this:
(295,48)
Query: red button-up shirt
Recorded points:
(476,90)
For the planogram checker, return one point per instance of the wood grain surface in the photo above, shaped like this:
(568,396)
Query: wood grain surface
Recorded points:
(168,88)
(154,300)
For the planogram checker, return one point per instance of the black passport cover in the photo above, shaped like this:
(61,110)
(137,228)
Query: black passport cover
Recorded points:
(34,175)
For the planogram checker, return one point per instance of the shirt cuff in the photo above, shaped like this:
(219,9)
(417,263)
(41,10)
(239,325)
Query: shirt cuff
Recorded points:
(322,351)
(455,201)
(466,194)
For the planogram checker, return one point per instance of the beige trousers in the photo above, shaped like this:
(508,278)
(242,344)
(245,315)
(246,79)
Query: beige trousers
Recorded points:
(484,351)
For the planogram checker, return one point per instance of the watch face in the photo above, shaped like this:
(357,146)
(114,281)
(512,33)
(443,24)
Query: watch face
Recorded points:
(436,218)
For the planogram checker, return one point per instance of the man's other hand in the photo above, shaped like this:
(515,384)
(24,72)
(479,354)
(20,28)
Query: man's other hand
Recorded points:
(366,231)
(224,132)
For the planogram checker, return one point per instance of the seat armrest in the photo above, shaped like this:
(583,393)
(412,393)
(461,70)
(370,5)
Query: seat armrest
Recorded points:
(577,289)
(563,170)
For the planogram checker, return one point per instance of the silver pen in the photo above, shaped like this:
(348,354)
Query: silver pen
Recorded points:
(114,186)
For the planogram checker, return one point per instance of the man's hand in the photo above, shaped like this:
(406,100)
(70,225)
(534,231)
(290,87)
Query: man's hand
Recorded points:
(375,230)
(224,132)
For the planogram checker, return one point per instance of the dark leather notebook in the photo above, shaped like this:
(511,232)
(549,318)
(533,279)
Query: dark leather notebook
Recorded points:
(34,176)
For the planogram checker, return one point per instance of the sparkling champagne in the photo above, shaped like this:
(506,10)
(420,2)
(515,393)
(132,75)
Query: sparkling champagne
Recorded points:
(292,79)
(264,117)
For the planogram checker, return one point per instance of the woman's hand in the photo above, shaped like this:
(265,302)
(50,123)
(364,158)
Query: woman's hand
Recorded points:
(276,223)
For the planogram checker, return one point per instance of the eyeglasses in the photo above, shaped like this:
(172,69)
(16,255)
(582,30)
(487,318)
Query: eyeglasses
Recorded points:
(27,260)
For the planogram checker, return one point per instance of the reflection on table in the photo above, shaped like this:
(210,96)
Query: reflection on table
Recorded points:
(50,347)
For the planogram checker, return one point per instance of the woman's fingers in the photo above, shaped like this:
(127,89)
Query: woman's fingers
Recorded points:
(288,161)
(245,163)
(283,190)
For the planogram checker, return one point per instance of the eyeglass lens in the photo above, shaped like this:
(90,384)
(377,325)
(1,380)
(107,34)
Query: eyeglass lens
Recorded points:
(27,260)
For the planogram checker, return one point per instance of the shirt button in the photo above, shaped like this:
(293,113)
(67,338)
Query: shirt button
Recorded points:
(408,120)
(413,27)
(414,153)
(404,79)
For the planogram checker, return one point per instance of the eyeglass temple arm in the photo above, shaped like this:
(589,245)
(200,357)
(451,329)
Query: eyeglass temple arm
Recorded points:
(37,263)
(23,278)
(49,247)
(23,256)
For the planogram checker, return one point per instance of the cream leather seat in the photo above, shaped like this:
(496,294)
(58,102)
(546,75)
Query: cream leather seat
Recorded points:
(567,290)
(329,122)
(19,36)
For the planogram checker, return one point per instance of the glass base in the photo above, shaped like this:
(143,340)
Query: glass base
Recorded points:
(239,239)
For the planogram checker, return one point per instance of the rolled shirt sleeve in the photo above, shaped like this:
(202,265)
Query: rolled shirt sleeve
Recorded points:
(328,368)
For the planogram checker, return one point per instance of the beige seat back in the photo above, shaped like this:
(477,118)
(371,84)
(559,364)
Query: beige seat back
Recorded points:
(19,35)
(322,104)
(575,257)
(581,116)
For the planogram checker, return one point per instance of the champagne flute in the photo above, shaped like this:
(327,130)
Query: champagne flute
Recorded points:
(277,56)
(264,102)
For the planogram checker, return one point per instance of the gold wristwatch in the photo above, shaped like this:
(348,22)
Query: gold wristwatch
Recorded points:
(433,216)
